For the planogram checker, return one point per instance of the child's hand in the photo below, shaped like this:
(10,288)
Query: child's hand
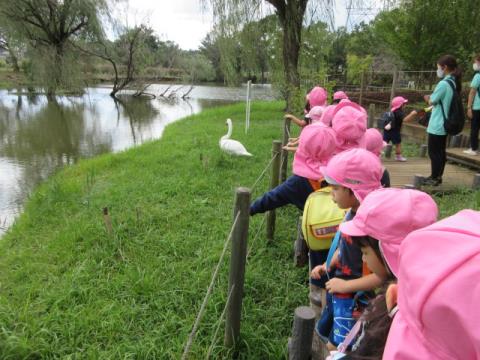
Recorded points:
(414,113)
(318,271)
(337,285)
(426,98)
(388,126)
(289,116)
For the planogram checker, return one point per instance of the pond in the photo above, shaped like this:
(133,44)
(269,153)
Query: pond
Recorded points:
(38,137)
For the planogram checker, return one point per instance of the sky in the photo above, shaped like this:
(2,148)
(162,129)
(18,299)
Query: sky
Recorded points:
(185,21)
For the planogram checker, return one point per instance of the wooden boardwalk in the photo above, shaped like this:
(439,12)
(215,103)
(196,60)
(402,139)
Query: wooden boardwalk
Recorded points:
(457,155)
(401,173)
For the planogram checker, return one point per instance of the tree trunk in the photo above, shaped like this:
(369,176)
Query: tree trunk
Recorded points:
(291,19)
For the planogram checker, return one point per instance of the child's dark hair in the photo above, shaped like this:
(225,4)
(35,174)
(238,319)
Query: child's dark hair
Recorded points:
(451,63)
(364,241)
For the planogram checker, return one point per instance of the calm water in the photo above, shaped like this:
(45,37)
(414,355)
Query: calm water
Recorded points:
(38,137)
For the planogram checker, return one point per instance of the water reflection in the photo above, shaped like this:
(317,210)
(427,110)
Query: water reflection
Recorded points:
(38,136)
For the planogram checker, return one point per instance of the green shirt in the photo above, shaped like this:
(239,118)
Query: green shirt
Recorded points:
(444,93)
(475,85)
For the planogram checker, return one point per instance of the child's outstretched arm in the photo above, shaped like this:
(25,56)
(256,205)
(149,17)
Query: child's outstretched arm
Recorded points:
(296,120)
(410,116)
(365,283)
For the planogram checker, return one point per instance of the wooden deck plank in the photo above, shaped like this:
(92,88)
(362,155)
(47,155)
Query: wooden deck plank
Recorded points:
(401,173)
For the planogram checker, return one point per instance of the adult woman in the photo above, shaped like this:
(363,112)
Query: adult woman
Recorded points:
(473,107)
(441,99)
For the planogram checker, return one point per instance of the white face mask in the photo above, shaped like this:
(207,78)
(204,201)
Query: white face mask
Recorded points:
(476,66)
(440,73)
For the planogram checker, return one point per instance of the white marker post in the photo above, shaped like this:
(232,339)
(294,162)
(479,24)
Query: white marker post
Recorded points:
(247,115)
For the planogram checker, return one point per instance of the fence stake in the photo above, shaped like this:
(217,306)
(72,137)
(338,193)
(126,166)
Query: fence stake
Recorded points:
(237,266)
(300,344)
(417,181)
(456,140)
(274,181)
(388,151)
(301,249)
(476,182)
(371,115)
(423,150)
(362,83)
(108,221)
(394,84)
(286,135)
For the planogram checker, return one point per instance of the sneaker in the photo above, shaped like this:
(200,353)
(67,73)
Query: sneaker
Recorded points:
(400,158)
(470,152)
(429,181)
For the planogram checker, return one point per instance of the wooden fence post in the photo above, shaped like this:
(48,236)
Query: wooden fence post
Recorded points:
(388,151)
(286,135)
(300,247)
(417,181)
(274,181)
(476,182)
(394,84)
(456,140)
(362,84)
(237,266)
(423,150)
(371,115)
(300,344)
(108,221)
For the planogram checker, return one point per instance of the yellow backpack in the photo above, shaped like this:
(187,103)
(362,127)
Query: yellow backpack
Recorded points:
(321,218)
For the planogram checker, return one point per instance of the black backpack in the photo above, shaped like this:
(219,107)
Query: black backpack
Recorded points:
(387,117)
(455,121)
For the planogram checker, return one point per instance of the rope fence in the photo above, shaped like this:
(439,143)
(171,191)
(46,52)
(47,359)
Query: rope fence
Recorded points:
(193,333)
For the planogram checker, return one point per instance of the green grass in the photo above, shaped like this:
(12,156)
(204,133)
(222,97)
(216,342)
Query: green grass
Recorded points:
(69,290)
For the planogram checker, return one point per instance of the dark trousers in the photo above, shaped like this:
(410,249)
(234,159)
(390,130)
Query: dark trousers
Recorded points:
(437,151)
(294,190)
(474,129)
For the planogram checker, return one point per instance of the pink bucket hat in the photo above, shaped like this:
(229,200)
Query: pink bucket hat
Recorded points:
(374,141)
(316,146)
(350,123)
(339,95)
(356,169)
(397,103)
(389,215)
(317,97)
(439,292)
(327,115)
(316,113)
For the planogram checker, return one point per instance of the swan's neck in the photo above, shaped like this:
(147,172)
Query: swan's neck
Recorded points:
(229,132)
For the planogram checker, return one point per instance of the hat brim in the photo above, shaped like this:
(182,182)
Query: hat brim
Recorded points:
(328,179)
(351,229)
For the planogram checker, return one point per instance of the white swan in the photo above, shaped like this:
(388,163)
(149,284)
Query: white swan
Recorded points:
(230,146)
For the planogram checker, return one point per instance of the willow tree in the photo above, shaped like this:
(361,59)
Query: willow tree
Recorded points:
(292,15)
(49,25)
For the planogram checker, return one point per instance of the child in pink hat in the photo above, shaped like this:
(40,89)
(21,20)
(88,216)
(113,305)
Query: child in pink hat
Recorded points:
(327,116)
(392,124)
(316,98)
(353,174)
(317,145)
(375,144)
(339,95)
(438,292)
(380,235)
(350,123)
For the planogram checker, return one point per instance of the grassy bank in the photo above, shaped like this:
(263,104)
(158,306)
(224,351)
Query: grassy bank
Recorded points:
(69,290)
